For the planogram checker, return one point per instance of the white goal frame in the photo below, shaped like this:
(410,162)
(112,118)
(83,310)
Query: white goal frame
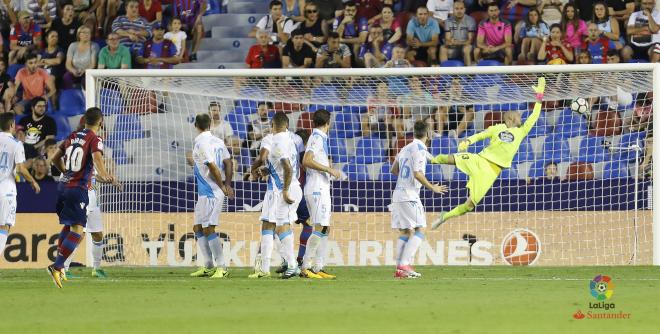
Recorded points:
(91,76)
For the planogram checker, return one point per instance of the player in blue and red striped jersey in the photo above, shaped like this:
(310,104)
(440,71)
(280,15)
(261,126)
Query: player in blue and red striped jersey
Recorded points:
(76,158)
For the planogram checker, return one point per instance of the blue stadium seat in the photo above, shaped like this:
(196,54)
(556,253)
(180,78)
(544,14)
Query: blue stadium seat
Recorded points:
(385,173)
(13,69)
(615,170)
(489,62)
(119,155)
(434,173)
(337,147)
(541,127)
(72,102)
(537,170)
(452,63)
(370,150)
(359,94)
(356,172)
(593,150)
(509,173)
(328,107)
(244,161)
(326,93)
(556,148)
(346,125)
(63,127)
(239,123)
(513,106)
(525,152)
(398,85)
(628,140)
(354,109)
(245,107)
(214,7)
(111,102)
(127,127)
(570,124)
(443,145)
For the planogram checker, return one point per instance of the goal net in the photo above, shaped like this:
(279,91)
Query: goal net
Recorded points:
(579,191)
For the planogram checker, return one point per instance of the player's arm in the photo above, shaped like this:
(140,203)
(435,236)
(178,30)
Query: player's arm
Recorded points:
(258,169)
(288,176)
(229,175)
(463,145)
(215,173)
(309,162)
(21,169)
(56,160)
(531,120)
(103,176)
(395,168)
(418,173)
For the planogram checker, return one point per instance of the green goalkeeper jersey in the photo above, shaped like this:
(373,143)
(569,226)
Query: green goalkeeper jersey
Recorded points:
(505,141)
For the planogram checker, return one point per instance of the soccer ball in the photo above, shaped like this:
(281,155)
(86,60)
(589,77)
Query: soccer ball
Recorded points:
(580,106)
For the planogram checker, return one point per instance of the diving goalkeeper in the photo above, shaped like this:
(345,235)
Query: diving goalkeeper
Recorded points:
(484,167)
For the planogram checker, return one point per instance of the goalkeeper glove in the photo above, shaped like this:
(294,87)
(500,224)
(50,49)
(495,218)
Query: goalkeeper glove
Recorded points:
(463,146)
(540,88)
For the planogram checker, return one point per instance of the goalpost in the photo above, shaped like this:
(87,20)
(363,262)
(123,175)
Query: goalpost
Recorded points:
(597,211)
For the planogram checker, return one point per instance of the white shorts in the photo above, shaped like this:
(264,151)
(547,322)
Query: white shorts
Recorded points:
(94,218)
(319,206)
(285,213)
(267,208)
(8,210)
(207,210)
(408,215)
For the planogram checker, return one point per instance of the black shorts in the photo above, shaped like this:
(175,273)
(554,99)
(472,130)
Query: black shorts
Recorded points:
(71,206)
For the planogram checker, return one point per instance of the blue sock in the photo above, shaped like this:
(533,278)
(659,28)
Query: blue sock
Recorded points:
(304,236)
(69,244)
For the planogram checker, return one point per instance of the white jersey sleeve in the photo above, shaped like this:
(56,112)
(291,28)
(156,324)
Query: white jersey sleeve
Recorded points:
(11,154)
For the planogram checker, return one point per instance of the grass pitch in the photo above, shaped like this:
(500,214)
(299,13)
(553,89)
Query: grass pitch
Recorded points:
(362,300)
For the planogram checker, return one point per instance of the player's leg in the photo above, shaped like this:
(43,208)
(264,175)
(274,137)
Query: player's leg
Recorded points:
(4,233)
(215,243)
(8,216)
(97,254)
(412,217)
(323,220)
(286,213)
(459,210)
(203,210)
(95,231)
(316,209)
(305,232)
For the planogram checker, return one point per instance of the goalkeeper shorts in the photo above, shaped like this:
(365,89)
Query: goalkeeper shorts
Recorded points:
(482,174)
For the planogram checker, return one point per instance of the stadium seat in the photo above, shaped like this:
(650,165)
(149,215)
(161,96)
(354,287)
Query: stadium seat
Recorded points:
(329,107)
(356,172)
(326,93)
(606,123)
(354,109)
(627,140)
(63,127)
(72,102)
(111,102)
(525,152)
(127,127)
(434,173)
(398,86)
(615,170)
(570,124)
(555,148)
(346,125)
(244,161)
(214,7)
(287,107)
(443,145)
(13,69)
(509,173)
(488,62)
(337,148)
(452,63)
(580,171)
(239,124)
(370,150)
(385,173)
(358,94)
(246,103)
(247,7)
(538,169)
(305,121)
(593,150)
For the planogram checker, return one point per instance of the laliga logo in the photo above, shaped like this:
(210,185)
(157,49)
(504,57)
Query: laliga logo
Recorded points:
(521,247)
(602,287)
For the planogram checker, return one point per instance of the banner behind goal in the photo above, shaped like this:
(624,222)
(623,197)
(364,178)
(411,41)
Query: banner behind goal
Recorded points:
(578,193)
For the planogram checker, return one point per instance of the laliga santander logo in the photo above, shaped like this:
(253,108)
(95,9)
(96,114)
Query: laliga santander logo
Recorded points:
(602,287)
(521,247)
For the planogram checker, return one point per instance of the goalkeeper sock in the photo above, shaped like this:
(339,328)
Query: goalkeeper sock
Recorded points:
(440,159)
(457,211)
(304,236)
(400,244)
(215,245)
(203,244)
(266,250)
(321,253)
(286,243)
(411,248)
(97,253)
(312,248)
(3,240)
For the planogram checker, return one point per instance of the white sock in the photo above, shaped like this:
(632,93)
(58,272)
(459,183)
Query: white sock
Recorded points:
(400,245)
(411,248)
(97,254)
(310,250)
(3,240)
(321,253)
(67,262)
(203,243)
(216,249)
(280,248)
(266,250)
(286,243)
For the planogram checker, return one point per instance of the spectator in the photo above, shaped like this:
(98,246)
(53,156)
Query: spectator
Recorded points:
(597,44)
(370,10)
(494,38)
(52,57)
(575,29)
(621,10)
(380,111)
(375,51)
(352,30)
(459,35)
(40,171)
(133,30)
(190,12)
(551,10)
(35,82)
(333,54)
(37,127)
(50,148)
(297,54)
(398,58)
(278,25)
(585,9)
(583,57)
(66,26)
(114,55)
(422,36)
(329,9)
(219,127)
(453,120)
(177,36)
(529,35)
(293,9)
(25,36)
(440,10)
(5,87)
(263,54)
(608,26)
(550,173)
(315,29)
(613,57)
(151,10)
(643,29)
(515,10)
(42,11)
(391,27)
(554,50)
(258,128)
(80,57)
(417,105)
(158,52)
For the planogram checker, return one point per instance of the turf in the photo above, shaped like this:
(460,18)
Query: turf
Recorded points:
(361,300)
